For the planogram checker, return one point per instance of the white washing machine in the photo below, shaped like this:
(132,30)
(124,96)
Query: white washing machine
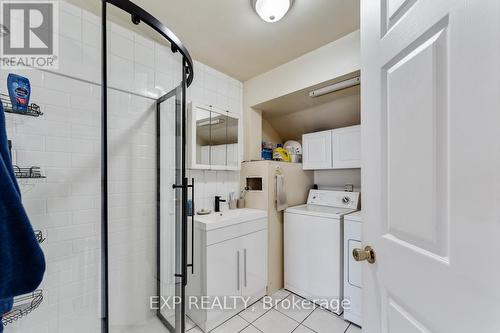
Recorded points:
(352,269)
(313,246)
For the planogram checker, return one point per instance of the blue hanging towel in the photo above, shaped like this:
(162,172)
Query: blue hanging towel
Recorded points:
(22,263)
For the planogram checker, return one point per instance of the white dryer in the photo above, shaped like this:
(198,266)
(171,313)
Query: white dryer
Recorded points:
(352,269)
(313,246)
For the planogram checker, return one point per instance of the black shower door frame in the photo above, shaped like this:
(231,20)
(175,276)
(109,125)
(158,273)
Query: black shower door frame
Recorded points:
(181,216)
(139,15)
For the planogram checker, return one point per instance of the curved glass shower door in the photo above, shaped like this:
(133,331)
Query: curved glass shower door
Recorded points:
(171,258)
(145,73)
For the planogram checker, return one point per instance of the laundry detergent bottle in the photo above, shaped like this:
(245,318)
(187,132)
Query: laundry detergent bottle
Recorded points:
(19,92)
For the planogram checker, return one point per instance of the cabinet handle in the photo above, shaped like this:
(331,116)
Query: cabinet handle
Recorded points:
(245,267)
(238,270)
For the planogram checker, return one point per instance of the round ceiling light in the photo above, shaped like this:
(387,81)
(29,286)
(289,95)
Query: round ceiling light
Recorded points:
(272,10)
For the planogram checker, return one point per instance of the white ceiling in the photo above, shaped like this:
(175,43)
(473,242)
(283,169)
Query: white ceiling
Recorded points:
(228,36)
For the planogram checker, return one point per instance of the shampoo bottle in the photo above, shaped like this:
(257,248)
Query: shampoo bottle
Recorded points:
(19,92)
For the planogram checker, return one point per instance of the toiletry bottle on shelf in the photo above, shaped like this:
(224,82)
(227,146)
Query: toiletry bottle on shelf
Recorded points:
(19,92)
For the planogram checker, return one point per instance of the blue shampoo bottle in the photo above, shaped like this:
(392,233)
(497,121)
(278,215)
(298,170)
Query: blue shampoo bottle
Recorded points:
(19,92)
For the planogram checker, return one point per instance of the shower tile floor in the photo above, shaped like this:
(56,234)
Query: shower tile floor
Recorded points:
(280,319)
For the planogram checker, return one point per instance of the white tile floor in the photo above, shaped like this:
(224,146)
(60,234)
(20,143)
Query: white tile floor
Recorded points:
(283,319)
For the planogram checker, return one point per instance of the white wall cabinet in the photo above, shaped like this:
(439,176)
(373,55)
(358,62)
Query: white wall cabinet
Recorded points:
(214,138)
(346,147)
(317,150)
(333,149)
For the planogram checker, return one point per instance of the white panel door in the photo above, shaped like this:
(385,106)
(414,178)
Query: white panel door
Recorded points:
(347,147)
(254,266)
(317,150)
(431,161)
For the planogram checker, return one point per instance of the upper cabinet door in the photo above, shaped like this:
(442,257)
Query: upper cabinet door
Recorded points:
(347,147)
(317,150)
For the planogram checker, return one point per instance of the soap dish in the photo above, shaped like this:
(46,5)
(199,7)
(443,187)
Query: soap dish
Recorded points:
(203,211)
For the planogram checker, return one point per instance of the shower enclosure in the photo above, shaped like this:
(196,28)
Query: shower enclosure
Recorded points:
(172,185)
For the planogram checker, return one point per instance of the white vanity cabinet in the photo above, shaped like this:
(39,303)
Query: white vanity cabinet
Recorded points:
(339,148)
(230,260)
(237,267)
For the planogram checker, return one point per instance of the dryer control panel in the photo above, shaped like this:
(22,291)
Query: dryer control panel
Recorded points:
(340,199)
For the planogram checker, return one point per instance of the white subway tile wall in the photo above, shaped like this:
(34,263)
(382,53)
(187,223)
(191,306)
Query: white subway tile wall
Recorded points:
(65,206)
(211,87)
(65,143)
